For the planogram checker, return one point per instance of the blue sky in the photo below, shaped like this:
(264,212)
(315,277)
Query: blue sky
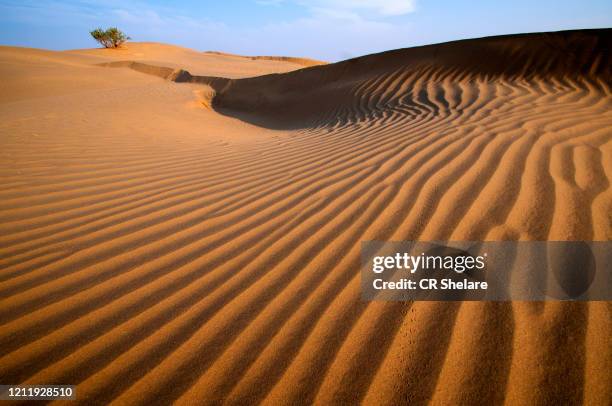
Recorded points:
(323,29)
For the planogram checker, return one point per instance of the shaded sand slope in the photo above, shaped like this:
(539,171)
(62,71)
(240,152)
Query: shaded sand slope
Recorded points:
(153,250)
(353,89)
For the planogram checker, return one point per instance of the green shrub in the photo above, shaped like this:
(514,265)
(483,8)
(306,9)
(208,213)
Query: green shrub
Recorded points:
(111,38)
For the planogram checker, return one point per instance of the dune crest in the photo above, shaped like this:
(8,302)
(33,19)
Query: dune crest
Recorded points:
(292,59)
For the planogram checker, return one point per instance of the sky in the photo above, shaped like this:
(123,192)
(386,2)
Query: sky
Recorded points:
(329,30)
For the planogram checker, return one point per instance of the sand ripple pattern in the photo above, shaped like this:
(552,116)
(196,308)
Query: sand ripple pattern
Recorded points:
(230,275)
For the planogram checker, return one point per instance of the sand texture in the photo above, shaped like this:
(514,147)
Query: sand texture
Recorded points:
(175,227)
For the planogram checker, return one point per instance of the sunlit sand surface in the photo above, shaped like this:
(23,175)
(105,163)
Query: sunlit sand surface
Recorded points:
(199,242)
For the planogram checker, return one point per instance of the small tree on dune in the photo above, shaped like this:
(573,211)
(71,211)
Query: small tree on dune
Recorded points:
(111,38)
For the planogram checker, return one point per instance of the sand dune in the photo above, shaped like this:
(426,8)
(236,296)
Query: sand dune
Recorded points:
(199,242)
(292,59)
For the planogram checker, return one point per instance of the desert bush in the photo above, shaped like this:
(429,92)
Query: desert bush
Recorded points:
(111,38)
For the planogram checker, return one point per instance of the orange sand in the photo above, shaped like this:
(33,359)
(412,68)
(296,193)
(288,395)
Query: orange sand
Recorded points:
(199,242)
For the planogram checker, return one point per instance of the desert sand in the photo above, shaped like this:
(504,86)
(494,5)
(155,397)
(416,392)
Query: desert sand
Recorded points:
(180,226)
